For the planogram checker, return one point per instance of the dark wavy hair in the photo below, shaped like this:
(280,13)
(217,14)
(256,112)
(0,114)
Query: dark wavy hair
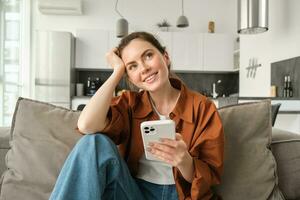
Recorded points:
(148,37)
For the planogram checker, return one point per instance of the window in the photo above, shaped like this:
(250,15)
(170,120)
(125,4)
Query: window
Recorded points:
(12,66)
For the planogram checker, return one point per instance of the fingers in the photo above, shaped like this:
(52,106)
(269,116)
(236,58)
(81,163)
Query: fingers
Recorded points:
(178,136)
(162,153)
(113,59)
(162,148)
(171,142)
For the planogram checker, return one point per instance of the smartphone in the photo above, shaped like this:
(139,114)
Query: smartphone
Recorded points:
(152,131)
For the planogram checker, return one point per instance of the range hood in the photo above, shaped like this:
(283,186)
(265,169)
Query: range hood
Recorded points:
(253,16)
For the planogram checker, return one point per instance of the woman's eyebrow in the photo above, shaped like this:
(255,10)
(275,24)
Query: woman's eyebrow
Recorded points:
(142,55)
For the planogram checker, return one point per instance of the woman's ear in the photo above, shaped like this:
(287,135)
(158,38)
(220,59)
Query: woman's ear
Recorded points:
(167,58)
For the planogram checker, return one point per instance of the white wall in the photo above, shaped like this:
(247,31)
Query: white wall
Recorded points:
(282,41)
(142,15)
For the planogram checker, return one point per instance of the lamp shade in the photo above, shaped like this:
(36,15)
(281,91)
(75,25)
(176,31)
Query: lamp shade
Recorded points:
(182,22)
(122,27)
(253,16)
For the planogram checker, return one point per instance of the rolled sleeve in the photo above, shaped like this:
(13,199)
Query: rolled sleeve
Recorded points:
(118,125)
(208,155)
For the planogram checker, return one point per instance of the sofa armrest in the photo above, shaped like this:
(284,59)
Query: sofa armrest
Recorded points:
(286,149)
(4,146)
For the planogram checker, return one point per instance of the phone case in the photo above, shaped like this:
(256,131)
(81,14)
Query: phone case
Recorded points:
(152,131)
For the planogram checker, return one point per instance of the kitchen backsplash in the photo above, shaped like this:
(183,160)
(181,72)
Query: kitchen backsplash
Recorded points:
(289,67)
(201,82)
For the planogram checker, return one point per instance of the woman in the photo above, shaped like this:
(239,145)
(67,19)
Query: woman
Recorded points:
(189,165)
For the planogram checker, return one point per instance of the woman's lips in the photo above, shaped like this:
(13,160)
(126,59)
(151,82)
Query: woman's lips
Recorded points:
(150,78)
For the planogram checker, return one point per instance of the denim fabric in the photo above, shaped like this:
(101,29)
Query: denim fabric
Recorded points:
(94,170)
(153,191)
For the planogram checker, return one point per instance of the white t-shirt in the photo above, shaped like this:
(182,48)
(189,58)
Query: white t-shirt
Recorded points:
(155,171)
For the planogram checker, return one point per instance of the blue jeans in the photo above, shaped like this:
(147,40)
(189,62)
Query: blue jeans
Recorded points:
(94,170)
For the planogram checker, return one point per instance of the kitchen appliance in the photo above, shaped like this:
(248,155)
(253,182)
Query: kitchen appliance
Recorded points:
(92,86)
(54,72)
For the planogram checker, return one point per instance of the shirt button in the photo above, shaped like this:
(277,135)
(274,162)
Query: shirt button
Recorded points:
(171,115)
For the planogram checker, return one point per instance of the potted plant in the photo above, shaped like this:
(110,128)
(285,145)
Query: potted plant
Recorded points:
(163,25)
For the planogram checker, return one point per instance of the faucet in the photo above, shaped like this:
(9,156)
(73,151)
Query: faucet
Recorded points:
(214,93)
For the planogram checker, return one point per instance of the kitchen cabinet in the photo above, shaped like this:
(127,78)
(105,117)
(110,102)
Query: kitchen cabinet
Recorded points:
(91,47)
(187,51)
(218,52)
(113,40)
(166,38)
(199,51)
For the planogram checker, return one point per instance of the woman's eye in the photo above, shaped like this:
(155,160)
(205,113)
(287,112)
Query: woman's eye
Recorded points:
(132,67)
(148,56)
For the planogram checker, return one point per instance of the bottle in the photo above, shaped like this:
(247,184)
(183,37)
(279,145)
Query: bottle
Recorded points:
(290,88)
(97,83)
(88,86)
(285,87)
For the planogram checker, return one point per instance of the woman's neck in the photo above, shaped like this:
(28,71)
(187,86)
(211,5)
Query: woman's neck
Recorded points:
(165,99)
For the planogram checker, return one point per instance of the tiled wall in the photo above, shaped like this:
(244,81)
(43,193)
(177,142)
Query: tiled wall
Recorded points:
(282,68)
(201,82)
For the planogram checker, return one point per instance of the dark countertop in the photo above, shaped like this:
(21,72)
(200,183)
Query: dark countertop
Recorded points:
(272,98)
(293,111)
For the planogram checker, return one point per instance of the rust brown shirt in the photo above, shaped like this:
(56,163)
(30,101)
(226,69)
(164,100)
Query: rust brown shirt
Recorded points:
(196,118)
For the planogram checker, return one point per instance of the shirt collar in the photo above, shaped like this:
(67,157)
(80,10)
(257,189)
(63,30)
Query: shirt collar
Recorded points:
(184,105)
(183,108)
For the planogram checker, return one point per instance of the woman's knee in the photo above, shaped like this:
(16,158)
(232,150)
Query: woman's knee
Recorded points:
(98,141)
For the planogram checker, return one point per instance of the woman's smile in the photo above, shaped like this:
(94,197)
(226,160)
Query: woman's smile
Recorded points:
(151,78)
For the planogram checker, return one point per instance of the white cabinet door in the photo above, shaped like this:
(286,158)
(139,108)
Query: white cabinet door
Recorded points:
(91,47)
(218,50)
(166,38)
(187,51)
(113,40)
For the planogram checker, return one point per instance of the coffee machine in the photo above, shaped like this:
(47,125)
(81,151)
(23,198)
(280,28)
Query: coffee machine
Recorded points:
(92,86)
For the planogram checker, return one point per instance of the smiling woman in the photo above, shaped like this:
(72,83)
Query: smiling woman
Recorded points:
(188,165)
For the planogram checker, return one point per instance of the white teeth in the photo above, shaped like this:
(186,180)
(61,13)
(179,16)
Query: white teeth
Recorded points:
(150,77)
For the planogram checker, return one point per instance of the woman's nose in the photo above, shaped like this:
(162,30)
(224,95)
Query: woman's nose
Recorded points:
(145,67)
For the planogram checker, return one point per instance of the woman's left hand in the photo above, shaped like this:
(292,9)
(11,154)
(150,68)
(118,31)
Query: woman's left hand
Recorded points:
(173,152)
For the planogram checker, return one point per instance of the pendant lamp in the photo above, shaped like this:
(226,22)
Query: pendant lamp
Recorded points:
(122,24)
(182,21)
(253,16)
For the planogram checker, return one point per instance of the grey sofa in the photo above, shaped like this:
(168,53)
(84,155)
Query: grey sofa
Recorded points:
(37,152)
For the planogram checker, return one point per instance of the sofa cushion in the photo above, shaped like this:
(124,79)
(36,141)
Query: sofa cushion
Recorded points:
(249,166)
(4,146)
(286,149)
(42,136)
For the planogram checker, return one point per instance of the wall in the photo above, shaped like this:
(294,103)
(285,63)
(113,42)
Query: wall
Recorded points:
(282,41)
(142,15)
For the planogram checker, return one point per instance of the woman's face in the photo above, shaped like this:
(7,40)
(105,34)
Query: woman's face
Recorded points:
(146,67)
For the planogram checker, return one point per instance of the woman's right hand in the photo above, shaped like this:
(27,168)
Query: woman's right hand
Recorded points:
(114,60)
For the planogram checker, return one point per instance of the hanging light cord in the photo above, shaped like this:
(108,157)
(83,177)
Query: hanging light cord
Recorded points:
(182,8)
(116,9)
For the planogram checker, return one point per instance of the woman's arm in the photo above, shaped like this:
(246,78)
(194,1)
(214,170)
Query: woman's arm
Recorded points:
(93,118)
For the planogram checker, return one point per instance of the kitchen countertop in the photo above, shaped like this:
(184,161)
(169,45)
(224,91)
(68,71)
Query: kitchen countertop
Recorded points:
(288,105)
(272,98)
